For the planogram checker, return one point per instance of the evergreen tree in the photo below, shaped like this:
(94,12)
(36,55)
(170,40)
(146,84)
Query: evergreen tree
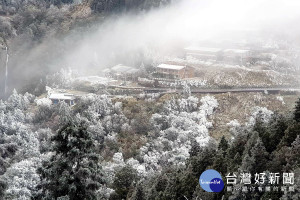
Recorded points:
(235,152)
(138,193)
(274,132)
(278,160)
(123,181)
(297,111)
(223,145)
(248,164)
(220,164)
(7,152)
(260,155)
(294,195)
(251,141)
(73,172)
(159,185)
(187,183)
(2,189)
(202,160)
(259,126)
(293,158)
(172,188)
(199,194)
(233,164)
(290,135)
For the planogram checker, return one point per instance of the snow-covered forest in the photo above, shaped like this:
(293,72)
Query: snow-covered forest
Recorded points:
(105,148)
(135,99)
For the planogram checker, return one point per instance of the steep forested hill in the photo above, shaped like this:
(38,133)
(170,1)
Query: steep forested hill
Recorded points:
(37,33)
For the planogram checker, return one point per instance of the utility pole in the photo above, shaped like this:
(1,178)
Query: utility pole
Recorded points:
(6,71)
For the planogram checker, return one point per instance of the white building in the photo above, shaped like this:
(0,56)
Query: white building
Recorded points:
(236,56)
(175,71)
(58,97)
(123,69)
(122,72)
(203,53)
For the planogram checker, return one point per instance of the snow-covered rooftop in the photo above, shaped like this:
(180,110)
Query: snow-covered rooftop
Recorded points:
(203,49)
(167,66)
(123,69)
(107,70)
(237,50)
(94,79)
(62,96)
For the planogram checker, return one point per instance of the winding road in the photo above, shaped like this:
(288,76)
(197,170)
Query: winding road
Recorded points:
(212,90)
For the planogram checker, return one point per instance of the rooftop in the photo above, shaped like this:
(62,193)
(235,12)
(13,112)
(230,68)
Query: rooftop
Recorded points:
(237,50)
(206,49)
(94,79)
(124,69)
(62,96)
(167,66)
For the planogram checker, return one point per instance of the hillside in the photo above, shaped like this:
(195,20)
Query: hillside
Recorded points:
(149,100)
(142,138)
(31,28)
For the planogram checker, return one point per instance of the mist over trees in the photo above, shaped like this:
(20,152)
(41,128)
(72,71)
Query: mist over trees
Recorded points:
(148,147)
(38,32)
(47,35)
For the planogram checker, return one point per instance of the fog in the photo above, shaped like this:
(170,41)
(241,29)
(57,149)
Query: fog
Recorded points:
(152,36)
(131,38)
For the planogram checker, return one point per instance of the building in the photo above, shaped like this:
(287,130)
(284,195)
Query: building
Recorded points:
(58,97)
(203,53)
(122,72)
(122,69)
(175,71)
(236,56)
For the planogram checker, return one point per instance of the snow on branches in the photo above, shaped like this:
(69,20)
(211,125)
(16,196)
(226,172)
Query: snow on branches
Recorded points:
(180,123)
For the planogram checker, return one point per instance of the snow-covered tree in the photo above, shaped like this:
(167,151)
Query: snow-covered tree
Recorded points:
(262,113)
(186,90)
(22,179)
(73,171)
(62,79)
(180,122)
(18,101)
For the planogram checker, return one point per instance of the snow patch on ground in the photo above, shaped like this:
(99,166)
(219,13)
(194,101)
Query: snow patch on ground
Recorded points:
(280,98)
